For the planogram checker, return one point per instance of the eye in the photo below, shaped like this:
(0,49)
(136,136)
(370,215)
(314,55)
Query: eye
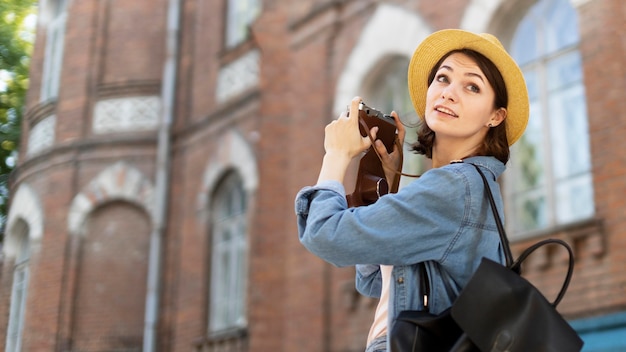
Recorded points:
(442,78)
(473,88)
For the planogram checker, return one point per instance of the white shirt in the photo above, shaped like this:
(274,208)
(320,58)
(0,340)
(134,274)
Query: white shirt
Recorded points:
(379,327)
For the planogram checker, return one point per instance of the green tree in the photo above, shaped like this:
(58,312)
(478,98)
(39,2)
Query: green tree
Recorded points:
(16,41)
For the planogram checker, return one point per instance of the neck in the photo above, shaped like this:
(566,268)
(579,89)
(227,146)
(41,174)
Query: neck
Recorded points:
(444,153)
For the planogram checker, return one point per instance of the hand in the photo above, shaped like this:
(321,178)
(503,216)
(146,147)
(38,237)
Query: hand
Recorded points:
(343,142)
(342,135)
(392,161)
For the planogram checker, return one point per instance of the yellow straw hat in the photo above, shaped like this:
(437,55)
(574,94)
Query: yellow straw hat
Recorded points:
(436,45)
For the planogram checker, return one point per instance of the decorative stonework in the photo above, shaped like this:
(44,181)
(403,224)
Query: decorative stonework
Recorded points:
(233,152)
(26,207)
(117,182)
(478,14)
(127,114)
(388,28)
(238,76)
(42,135)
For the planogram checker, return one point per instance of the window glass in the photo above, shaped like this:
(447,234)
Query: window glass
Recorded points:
(229,256)
(528,174)
(548,182)
(570,140)
(564,71)
(240,15)
(54,49)
(18,291)
(560,23)
(524,47)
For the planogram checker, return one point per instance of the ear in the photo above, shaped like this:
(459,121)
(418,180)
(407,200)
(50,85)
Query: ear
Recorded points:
(497,117)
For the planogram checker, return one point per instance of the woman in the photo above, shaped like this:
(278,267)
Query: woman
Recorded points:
(473,103)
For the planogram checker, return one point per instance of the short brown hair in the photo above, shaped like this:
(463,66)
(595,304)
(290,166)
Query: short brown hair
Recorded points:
(495,143)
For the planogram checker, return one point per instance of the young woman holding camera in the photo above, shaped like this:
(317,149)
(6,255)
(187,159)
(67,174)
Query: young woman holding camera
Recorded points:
(473,102)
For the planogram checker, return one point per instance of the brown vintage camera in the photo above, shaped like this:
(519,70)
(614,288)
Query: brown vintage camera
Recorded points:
(371,183)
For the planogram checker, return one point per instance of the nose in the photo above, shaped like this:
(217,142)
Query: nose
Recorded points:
(449,93)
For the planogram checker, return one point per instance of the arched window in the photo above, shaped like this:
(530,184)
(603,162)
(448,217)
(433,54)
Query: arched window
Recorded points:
(549,179)
(19,289)
(229,256)
(386,89)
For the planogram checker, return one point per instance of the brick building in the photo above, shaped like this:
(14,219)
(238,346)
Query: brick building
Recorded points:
(164,141)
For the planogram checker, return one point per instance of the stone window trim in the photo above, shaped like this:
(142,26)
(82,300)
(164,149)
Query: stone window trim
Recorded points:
(39,112)
(231,340)
(228,55)
(128,89)
(392,41)
(27,207)
(116,182)
(587,238)
(233,153)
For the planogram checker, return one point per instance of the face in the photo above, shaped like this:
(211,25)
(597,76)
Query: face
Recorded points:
(460,101)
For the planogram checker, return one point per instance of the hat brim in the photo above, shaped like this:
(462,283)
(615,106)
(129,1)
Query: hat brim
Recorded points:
(436,45)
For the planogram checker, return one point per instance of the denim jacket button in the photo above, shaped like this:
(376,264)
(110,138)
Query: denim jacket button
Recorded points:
(400,280)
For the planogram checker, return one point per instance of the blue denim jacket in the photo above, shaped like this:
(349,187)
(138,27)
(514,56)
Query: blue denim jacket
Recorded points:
(442,218)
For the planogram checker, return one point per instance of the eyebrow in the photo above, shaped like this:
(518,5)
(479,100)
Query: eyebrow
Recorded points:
(472,74)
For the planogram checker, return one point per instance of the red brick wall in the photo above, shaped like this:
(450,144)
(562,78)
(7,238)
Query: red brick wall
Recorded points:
(53,318)
(600,281)
(46,263)
(110,298)
(296,301)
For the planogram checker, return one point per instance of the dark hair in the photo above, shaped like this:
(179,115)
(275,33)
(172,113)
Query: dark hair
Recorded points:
(495,143)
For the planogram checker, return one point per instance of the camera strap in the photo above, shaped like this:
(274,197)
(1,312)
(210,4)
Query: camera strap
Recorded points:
(387,167)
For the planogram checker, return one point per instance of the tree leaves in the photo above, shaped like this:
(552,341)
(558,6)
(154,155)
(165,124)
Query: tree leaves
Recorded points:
(16,41)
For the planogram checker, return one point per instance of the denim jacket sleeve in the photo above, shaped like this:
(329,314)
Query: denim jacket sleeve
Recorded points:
(419,223)
(369,280)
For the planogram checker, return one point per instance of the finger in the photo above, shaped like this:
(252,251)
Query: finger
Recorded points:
(367,141)
(399,126)
(373,132)
(382,150)
(354,109)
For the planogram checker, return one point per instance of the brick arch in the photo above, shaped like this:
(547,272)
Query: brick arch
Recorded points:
(233,152)
(26,209)
(391,31)
(117,182)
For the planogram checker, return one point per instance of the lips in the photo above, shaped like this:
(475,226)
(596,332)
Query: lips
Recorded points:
(444,110)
